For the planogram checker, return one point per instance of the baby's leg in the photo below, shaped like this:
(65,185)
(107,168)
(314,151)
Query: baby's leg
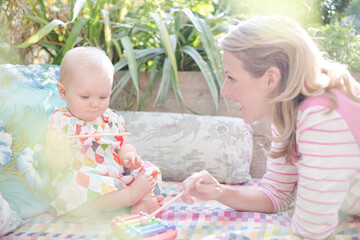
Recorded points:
(148,205)
(154,171)
(154,200)
(141,186)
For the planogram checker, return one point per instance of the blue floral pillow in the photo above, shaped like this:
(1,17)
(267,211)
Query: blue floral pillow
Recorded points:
(28,95)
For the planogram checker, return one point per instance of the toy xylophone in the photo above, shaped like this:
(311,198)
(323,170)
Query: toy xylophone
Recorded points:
(129,227)
(146,226)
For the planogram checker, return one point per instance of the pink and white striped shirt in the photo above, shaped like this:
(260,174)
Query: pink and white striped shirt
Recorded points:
(328,173)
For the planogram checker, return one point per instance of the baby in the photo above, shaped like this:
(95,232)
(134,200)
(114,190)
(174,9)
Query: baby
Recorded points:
(94,173)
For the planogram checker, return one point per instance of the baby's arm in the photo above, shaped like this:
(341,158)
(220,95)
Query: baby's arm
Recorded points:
(57,149)
(128,196)
(128,155)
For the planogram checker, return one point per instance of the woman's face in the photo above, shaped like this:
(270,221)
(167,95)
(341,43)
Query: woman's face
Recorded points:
(250,93)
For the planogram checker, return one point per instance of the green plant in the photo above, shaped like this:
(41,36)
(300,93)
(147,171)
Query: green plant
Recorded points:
(340,42)
(333,10)
(353,11)
(185,42)
(162,37)
(306,12)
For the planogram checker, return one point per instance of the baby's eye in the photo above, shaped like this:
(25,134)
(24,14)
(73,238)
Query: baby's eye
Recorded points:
(103,98)
(84,97)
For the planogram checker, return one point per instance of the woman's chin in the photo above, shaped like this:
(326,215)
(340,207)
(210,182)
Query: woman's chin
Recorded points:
(249,119)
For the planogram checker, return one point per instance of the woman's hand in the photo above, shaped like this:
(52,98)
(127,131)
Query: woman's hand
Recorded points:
(201,185)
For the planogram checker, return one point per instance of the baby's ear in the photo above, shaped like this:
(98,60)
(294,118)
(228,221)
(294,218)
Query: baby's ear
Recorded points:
(62,91)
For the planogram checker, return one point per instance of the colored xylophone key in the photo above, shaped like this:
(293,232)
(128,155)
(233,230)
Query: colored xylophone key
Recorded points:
(129,227)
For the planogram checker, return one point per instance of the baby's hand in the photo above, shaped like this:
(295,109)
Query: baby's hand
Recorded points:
(58,139)
(57,149)
(132,161)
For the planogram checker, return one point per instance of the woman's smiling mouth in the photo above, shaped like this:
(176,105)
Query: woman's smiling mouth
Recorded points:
(241,106)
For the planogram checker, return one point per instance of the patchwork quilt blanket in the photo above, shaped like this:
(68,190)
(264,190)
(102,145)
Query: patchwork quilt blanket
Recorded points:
(203,220)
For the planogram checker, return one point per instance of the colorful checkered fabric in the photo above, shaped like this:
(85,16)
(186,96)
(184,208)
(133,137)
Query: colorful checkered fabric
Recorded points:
(204,220)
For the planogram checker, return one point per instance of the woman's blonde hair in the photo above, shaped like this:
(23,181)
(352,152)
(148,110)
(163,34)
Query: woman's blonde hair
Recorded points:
(90,57)
(268,41)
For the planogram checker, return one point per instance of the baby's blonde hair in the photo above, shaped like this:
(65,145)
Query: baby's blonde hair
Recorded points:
(88,57)
(268,41)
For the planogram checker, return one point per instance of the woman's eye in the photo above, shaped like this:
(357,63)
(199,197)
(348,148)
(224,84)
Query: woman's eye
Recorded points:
(230,78)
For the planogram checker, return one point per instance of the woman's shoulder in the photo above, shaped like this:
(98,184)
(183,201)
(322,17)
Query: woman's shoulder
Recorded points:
(321,106)
(343,102)
(310,102)
(316,113)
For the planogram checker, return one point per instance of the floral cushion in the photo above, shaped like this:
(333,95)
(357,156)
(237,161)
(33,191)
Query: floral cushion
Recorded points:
(181,144)
(9,220)
(28,95)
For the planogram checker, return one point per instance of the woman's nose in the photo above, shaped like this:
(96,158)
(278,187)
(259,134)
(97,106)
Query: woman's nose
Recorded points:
(225,89)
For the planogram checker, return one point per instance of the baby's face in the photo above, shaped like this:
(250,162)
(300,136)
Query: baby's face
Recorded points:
(88,93)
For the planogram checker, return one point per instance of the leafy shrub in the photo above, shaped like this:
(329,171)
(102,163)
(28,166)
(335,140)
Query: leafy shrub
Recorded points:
(340,42)
(162,37)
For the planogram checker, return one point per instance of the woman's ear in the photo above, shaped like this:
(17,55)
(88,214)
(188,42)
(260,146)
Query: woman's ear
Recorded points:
(62,91)
(273,77)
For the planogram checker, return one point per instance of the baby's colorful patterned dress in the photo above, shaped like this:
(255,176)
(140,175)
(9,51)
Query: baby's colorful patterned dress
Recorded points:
(95,168)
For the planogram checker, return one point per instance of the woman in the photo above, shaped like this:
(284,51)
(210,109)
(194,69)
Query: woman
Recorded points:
(274,70)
